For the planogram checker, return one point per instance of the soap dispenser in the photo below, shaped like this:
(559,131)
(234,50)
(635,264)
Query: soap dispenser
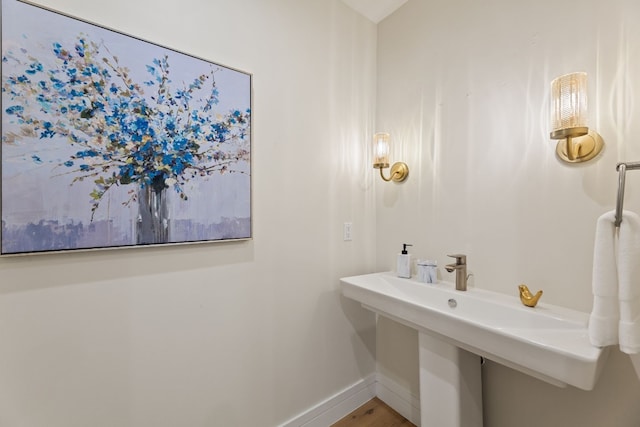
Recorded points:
(404,262)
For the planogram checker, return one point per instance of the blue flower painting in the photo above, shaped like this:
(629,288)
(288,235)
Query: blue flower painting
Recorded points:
(110,141)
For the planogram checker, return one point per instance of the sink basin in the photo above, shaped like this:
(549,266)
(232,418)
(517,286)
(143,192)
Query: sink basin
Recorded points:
(547,342)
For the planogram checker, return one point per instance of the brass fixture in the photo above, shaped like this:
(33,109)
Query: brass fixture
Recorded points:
(399,170)
(569,119)
(527,298)
(460,267)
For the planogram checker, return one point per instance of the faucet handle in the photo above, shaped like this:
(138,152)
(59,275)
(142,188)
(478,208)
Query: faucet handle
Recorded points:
(460,258)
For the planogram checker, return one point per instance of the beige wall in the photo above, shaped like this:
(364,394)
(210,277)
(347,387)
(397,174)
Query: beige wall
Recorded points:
(253,333)
(462,87)
(235,334)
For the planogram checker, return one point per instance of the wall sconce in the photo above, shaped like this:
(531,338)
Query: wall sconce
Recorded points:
(399,170)
(569,119)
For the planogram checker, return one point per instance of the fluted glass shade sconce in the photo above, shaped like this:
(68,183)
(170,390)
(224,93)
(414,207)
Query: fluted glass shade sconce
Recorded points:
(399,170)
(569,119)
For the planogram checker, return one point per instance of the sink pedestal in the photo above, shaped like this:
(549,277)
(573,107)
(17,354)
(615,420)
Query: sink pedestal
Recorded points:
(450,385)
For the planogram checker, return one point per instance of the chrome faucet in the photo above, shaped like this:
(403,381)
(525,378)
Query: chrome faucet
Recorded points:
(460,268)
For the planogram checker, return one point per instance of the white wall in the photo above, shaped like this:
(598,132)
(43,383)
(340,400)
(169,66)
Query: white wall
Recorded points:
(235,334)
(463,87)
(253,333)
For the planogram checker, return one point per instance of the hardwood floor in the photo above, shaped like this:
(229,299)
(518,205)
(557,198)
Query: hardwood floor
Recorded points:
(374,413)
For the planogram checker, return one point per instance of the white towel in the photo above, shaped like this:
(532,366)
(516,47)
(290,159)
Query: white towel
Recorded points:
(603,322)
(615,318)
(629,282)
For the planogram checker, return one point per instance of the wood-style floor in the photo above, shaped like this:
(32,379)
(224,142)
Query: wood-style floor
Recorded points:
(374,413)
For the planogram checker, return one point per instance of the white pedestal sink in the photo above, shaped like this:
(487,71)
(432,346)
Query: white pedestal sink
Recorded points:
(456,328)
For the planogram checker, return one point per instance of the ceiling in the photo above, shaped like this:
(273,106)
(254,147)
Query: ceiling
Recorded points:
(375,10)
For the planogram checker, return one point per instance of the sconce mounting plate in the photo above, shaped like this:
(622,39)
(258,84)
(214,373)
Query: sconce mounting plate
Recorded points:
(399,171)
(585,147)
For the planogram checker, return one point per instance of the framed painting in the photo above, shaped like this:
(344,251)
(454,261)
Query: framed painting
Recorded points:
(110,141)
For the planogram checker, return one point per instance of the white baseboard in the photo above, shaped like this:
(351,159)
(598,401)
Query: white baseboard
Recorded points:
(338,406)
(399,398)
(351,398)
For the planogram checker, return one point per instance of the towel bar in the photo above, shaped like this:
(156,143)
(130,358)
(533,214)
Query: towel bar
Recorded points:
(622,169)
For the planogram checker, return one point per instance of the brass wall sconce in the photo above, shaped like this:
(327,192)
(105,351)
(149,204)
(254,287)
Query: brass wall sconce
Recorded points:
(399,170)
(569,119)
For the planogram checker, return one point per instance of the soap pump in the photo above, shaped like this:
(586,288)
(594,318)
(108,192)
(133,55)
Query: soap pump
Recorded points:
(404,262)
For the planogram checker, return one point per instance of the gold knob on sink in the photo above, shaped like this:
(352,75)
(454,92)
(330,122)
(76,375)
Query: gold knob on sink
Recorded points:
(527,298)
